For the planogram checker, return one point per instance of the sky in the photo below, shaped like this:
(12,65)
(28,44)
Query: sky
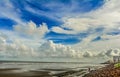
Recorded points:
(59,29)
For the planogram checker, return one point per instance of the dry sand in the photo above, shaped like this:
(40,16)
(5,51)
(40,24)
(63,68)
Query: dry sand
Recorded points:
(107,71)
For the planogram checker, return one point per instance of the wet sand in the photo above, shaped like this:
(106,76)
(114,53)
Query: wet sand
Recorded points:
(16,69)
(11,73)
(35,73)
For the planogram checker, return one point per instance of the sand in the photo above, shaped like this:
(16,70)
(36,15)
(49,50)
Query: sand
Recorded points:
(37,73)
(10,73)
(107,71)
(8,69)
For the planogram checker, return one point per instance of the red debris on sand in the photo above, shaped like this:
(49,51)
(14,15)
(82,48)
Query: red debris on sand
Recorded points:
(108,71)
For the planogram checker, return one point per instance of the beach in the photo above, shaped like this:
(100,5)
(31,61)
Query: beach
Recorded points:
(45,69)
(36,73)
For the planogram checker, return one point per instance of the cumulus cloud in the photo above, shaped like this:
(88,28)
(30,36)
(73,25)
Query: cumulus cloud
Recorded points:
(16,44)
(12,49)
(102,17)
(110,52)
(31,29)
(47,49)
(88,54)
(113,52)
(50,49)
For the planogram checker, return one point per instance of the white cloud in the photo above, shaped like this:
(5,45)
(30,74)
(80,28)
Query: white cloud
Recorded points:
(13,44)
(76,25)
(88,54)
(61,30)
(107,16)
(110,52)
(2,40)
(50,49)
(110,37)
(9,11)
(14,49)
(31,29)
(106,42)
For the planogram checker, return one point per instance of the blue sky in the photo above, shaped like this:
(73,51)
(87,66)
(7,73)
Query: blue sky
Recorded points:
(49,11)
(86,24)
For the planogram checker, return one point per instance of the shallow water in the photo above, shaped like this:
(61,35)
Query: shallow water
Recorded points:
(46,69)
(48,66)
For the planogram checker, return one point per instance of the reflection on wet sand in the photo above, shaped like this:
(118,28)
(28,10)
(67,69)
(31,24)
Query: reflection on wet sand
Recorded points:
(14,69)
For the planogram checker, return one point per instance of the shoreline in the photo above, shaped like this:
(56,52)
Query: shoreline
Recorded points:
(13,71)
(7,61)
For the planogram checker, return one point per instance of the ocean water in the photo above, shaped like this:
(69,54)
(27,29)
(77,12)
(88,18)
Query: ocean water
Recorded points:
(53,65)
(48,66)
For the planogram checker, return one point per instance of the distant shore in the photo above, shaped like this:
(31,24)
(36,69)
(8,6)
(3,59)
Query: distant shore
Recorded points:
(8,61)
